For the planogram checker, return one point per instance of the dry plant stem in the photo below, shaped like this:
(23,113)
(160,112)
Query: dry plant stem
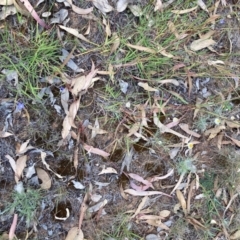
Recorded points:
(190,195)
(67,58)
(13,227)
(230,202)
(178,183)
(83,209)
(75,160)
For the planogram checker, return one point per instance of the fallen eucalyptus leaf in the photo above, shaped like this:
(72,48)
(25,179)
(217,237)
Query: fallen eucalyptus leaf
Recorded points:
(147,87)
(108,170)
(122,5)
(75,234)
(201,44)
(103,6)
(7,11)
(6,2)
(44,177)
(74,32)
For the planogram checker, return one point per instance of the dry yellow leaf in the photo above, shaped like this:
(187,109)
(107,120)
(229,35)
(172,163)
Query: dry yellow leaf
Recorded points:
(184,11)
(201,44)
(44,177)
(182,200)
(141,48)
(147,87)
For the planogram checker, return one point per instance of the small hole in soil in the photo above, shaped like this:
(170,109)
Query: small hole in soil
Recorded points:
(116,156)
(154,169)
(65,168)
(60,209)
(139,146)
(81,174)
(123,180)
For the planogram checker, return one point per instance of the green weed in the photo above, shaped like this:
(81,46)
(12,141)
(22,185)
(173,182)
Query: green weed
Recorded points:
(25,204)
(33,57)
(121,229)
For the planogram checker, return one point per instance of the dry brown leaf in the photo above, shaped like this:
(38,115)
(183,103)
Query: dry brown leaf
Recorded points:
(165,53)
(186,129)
(210,63)
(78,10)
(178,183)
(214,131)
(182,201)
(97,151)
(144,193)
(66,127)
(201,44)
(134,129)
(195,223)
(73,112)
(141,48)
(173,81)
(107,27)
(184,11)
(12,162)
(6,2)
(158,5)
(102,5)
(163,128)
(64,99)
(136,10)
(20,165)
(122,5)
(108,170)
(198,102)
(75,234)
(156,178)
(5,134)
(147,87)
(237,142)
(75,33)
(116,42)
(23,148)
(235,235)
(96,129)
(202,5)
(164,213)
(43,156)
(232,124)
(140,206)
(12,229)
(44,177)
(190,194)
(88,29)
(219,140)
(157,223)
(84,82)
(173,29)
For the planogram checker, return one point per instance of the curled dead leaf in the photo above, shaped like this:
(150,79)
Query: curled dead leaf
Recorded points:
(122,5)
(75,234)
(182,201)
(44,177)
(201,44)
(6,2)
(5,134)
(141,48)
(184,11)
(102,5)
(74,32)
(20,165)
(147,87)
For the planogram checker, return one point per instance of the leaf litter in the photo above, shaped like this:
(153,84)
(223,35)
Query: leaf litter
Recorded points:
(137,124)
